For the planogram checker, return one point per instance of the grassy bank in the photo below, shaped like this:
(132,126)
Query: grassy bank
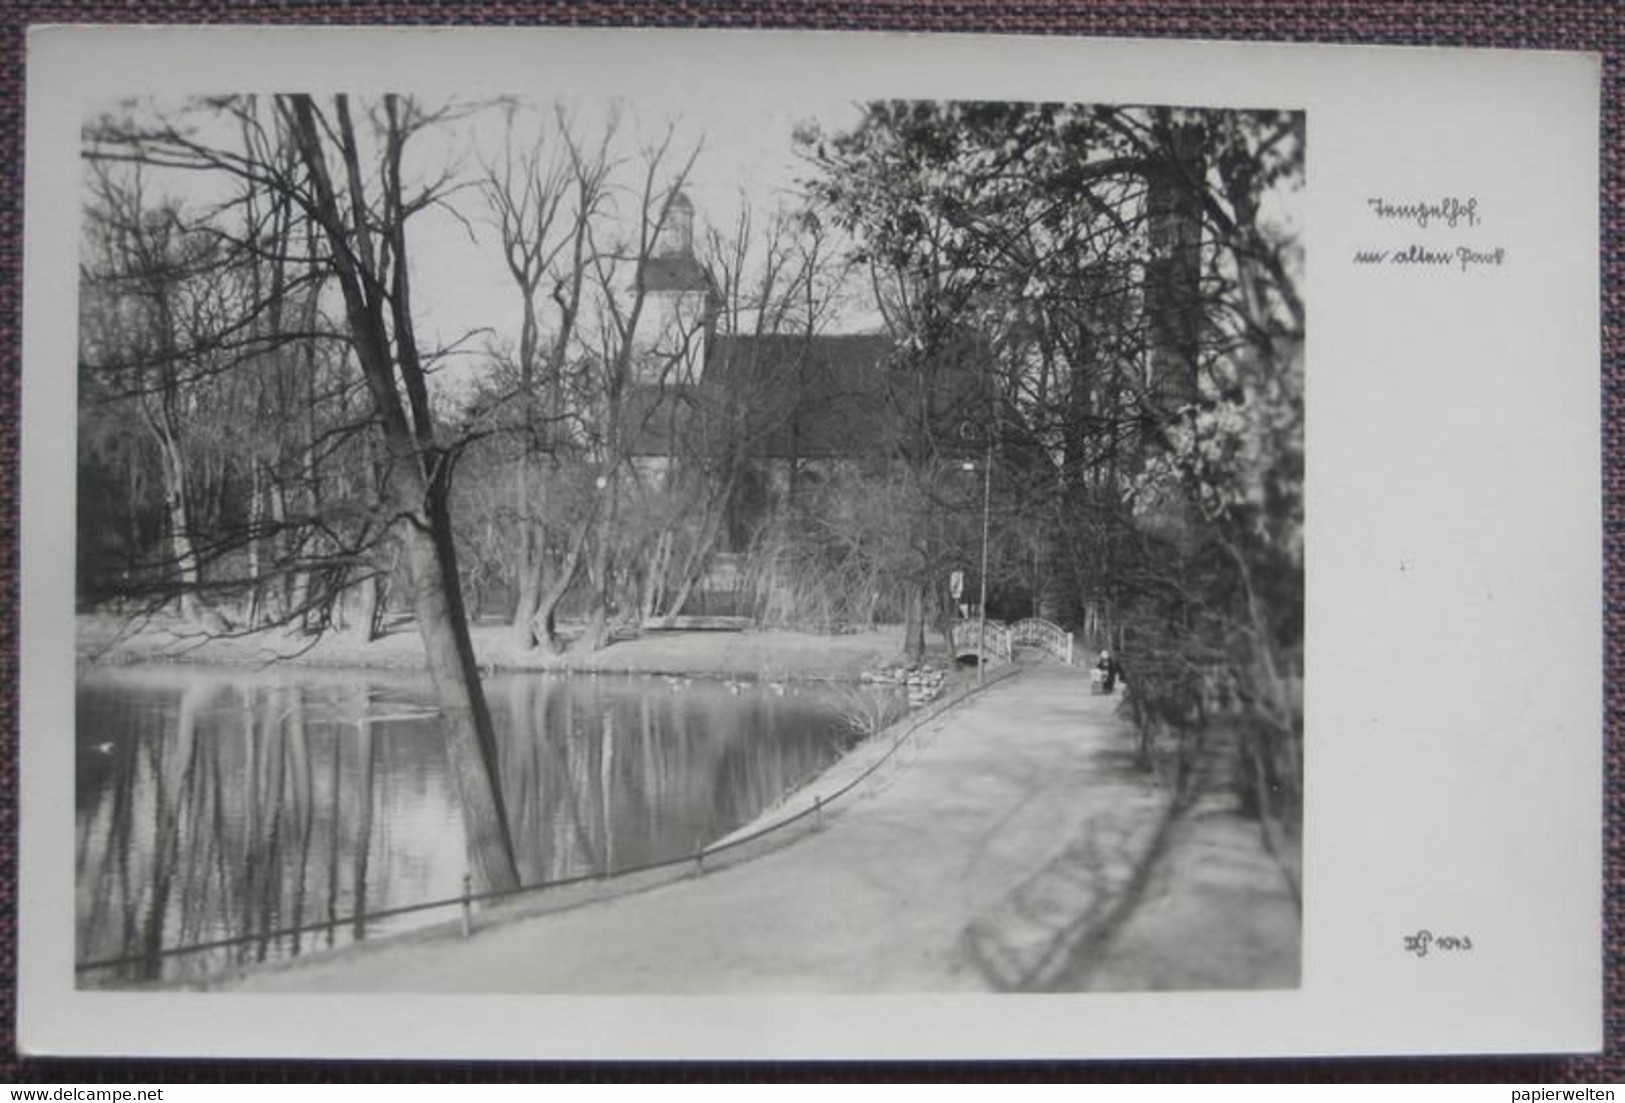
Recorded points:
(769,653)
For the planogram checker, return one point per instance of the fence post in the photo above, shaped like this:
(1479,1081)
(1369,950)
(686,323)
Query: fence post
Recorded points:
(1069,649)
(468,907)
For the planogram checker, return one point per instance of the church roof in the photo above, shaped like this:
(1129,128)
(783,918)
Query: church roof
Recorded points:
(785,396)
(807,397)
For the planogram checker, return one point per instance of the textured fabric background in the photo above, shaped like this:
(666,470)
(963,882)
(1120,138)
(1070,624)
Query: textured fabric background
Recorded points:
(1579,24)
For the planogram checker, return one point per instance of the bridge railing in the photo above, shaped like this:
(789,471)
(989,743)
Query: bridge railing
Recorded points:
(1046,634)
(1002,639)
(1000,644)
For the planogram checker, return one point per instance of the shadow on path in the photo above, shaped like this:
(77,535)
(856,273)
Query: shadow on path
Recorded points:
(1147,896)
(1004,851)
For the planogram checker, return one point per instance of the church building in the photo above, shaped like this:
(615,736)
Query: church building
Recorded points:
(787,407)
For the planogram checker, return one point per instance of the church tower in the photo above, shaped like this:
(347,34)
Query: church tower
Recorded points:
(679,304)
(676,237)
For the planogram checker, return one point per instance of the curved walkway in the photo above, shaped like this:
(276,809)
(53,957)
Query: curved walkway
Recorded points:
(980,863)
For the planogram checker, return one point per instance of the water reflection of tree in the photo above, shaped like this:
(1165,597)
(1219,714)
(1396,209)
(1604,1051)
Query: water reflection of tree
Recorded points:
(548,786)
(108,896)
(252,812)
(304,795)
(603,777)
(144,864)
(211,828)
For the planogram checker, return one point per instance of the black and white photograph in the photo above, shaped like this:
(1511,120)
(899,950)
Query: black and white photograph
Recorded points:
(645,549)
(755,545)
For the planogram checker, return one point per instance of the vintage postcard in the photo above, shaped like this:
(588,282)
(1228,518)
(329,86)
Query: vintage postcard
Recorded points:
(616,544)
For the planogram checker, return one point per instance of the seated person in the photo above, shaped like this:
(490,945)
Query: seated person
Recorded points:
(1106,672)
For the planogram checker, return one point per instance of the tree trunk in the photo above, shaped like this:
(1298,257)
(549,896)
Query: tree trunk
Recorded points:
(914,623)
(542,621)
(601,573)
(945,613)
(1054,594)
(466,721)
(418,473)
(186,574)
(532,566)
(1173,292)
(296,586)
(653,597)
(369,607)
(699,558)
(528,600)
(256,525)
(595,637)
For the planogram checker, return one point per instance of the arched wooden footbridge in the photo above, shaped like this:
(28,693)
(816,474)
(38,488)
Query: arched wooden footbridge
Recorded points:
(1001,640)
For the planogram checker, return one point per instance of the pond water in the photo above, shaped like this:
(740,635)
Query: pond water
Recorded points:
(221,805)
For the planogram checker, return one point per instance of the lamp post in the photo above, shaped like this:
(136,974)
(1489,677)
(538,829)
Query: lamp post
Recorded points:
(987,502)
(981,604)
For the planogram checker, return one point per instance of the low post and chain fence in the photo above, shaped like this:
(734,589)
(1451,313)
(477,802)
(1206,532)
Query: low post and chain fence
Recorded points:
(773,833)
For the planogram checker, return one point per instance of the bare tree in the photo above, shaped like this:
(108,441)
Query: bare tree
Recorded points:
(365,224)
(542,198)
(623,353)
(147,332)
(347,178)
(771,279)
(238,373)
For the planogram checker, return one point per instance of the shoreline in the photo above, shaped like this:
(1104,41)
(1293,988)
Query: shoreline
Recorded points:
(109,641)
(1053,865)
(851,779)
(848,776)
